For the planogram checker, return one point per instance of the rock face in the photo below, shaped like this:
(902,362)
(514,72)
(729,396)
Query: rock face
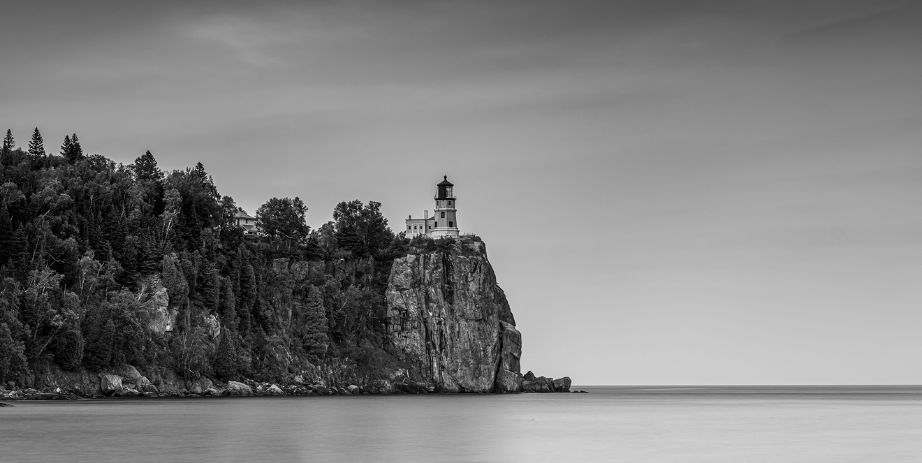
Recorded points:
(450,322)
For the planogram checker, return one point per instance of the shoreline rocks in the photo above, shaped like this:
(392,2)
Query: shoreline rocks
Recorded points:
(531,383)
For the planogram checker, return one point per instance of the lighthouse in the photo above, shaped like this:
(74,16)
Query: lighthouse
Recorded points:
(444,220)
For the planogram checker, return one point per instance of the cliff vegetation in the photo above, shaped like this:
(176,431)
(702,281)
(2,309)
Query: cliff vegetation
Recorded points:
(108,268)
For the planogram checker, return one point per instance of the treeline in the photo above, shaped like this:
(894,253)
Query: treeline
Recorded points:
(87,247)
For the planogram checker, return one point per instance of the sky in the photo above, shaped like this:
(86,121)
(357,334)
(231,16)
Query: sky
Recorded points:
(671,192)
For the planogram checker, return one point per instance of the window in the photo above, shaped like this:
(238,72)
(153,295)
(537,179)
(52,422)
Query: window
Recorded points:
(443,214)
(449,203)
(451,224)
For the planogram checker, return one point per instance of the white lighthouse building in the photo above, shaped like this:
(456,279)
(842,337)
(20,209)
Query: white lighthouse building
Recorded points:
(444,220)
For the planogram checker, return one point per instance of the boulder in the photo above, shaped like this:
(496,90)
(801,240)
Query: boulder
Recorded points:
(110,384)
(353,389)
(143,384)
(238,389)
(562,384)
(200,385)
(275,390)
(128,373)
(211,392)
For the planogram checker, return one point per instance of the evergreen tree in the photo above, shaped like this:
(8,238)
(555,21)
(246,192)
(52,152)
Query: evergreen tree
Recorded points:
(8,143)
(67,147)
(71,149)
(37,144)
(225,362)
(145,168)
(77,149)
(6,153)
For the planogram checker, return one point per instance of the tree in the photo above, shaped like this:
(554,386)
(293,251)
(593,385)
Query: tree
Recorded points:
(283,220)
(6,152)
(145,168)
(71,149)
(13,364)
(37,144)
(361,229)
(225,361)
(76,149)
(66,147)
(8,143)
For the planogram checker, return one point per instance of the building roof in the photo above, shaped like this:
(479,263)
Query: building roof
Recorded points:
(241,214)
(445,182)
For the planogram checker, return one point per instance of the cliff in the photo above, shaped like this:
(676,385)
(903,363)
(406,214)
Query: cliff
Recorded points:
(449,321)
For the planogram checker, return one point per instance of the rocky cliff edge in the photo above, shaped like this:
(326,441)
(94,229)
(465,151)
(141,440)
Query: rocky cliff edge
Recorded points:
(450,322)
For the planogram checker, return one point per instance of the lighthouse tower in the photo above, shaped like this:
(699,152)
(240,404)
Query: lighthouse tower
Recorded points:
(446,220)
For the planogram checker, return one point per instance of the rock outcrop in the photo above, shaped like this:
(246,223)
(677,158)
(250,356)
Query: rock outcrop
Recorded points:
(110,384)
(531,383)
(238,389)
(450,322)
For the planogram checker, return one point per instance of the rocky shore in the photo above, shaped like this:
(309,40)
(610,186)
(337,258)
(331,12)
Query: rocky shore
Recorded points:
(127,382)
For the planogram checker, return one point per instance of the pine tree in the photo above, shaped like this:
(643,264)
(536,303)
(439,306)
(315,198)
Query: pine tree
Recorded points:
(71,149)
(37,144)
(145,168)
(225,362)
(6,154)
(67,147)
(8,141)
(77,149)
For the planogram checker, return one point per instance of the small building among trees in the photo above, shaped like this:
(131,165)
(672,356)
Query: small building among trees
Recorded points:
(246,221)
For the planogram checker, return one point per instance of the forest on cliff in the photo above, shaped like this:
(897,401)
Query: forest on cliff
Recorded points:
(103,264)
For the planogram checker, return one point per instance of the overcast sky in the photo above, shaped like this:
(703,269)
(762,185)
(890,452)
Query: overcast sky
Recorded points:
(672,192)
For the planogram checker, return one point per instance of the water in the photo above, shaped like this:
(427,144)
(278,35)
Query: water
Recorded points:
(611,424)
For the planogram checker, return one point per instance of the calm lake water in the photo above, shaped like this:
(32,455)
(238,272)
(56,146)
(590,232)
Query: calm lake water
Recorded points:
(611,424)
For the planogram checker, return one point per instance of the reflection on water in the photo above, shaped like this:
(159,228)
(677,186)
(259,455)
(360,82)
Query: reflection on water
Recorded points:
(611,424)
